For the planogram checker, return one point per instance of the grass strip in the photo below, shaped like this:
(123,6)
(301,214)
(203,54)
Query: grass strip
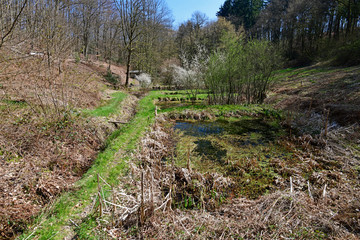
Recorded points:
(70,205)
(111,107)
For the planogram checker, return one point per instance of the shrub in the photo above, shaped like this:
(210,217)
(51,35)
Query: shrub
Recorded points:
(77,57)
(111,78)
(348,55)
(241,71)
(191,75)
(144,79)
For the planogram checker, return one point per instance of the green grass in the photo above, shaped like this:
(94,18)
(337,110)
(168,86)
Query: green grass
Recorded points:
(111,107)
(11,104)
(182,94)
(283,74)
(220,109)
(70,205)
(14,102)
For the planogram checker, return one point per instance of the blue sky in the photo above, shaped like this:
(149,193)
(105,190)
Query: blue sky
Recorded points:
(183,9)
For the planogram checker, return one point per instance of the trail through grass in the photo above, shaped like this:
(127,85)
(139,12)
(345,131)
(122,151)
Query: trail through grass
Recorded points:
(109,108)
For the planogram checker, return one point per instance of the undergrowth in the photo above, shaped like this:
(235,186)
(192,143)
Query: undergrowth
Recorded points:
(110,164)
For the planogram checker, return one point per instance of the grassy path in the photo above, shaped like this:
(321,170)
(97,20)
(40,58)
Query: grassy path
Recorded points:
(110,107)
(56,221)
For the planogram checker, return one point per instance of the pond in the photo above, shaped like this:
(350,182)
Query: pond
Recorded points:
(241,149)
(251,129)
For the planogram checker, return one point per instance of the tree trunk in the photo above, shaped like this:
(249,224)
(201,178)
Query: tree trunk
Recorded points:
(128,67)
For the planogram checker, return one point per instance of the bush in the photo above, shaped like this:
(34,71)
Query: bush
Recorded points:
(241,71)
(111,78)
(77,57)
(348,55)
(191,75)
(144,79)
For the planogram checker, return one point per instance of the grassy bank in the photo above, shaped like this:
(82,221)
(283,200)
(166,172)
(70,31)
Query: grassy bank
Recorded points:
(110,164)
(111,107)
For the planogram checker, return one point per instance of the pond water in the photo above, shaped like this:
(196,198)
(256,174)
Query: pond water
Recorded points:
(241,133)
(240,149)
(256,129)
(199,129)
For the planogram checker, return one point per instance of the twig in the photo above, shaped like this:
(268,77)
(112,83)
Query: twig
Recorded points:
(113,209)
(116,205)
(100,204)
(94,203)
(129,212)
(142,207)
(188,160)
(324,191)
(31,233)
(326,122)
(103,196)
(99,194)
(183,226)
(167,198)
(152,191)
(309,189)
(129,197)
(117,122)
(172,159)
(74,223)
(271,208)
(291,185)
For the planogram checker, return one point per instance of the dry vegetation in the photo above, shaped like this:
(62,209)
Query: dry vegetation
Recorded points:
(45,143)
(317,198)
(315,195)
(318,88)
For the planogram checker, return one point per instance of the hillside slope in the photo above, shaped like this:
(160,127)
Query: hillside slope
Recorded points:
(319,89)
(46,141)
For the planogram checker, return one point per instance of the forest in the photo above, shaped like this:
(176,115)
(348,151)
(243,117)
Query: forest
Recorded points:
(116,124)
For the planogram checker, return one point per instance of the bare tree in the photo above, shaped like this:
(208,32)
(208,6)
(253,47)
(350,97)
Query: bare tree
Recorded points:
(10,12)
(156,23)
(130,13)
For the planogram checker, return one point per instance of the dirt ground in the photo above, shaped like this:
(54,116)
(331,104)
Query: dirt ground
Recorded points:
(119,71)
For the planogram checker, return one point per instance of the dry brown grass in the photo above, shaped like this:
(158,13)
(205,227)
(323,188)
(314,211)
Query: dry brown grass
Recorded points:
(326,206)
(45,143)
(318,88)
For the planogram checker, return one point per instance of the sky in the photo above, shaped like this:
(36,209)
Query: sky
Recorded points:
(183,9)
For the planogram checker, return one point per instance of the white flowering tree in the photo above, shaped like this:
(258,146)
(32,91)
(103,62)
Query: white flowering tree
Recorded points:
(191,75)
(144,80)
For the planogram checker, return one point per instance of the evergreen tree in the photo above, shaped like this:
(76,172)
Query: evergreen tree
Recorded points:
(241,12)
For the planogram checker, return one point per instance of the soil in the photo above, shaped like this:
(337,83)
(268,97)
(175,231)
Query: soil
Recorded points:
(117,70)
